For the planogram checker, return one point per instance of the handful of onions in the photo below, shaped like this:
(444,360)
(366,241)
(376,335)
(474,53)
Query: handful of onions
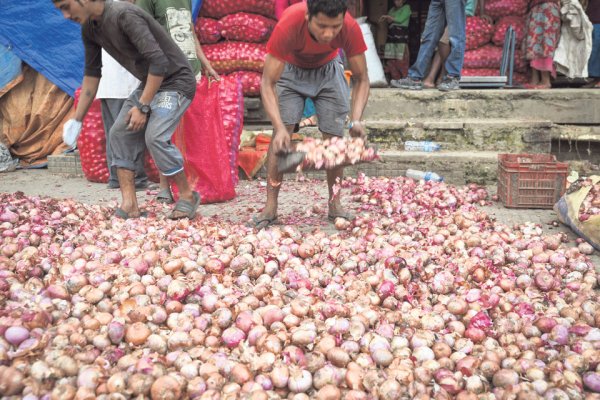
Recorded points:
(334,152)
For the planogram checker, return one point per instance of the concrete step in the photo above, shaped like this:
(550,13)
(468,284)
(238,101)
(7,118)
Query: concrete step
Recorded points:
(457,167)
(469,134)
(561,106)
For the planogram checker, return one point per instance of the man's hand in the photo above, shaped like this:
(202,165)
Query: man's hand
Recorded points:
(386,18)
(136,120)
(71,131)
(281,141)
(211,73)
(358,130)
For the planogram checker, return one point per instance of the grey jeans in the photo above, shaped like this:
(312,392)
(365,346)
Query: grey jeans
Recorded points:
(128,147)
(110,111)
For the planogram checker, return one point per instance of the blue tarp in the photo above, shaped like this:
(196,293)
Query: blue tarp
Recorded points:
(38,34)
(10,66)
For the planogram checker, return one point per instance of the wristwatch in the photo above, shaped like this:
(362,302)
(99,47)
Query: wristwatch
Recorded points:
(144,108)
(352,123)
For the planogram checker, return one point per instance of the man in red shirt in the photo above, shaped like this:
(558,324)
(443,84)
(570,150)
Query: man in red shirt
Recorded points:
(303,62)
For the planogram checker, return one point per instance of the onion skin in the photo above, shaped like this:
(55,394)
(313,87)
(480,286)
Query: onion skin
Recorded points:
(165,388)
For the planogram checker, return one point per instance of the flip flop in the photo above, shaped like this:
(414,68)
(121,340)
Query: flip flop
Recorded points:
(261,223)
(122,214)
(189,209)
(165,196)
(345,215)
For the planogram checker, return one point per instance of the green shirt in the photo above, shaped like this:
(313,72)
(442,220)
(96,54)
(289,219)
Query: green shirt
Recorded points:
(176,17)
(470,7)
(401,15)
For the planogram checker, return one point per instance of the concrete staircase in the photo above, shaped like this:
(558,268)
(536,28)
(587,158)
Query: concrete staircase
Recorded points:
(473,127)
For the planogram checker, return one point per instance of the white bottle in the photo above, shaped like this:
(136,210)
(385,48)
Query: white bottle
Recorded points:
(422,175)
(427,146)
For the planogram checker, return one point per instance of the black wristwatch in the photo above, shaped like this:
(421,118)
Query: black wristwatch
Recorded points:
(144,108)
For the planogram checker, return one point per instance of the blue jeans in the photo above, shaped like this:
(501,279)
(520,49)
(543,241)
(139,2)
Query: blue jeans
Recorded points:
(442,13)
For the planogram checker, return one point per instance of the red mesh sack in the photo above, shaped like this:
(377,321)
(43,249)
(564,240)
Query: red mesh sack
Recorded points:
(246,27)
(201,139)
(221,8)
(92,144)
(479,32)
(503,8)
(250,82)
(231,101)
(150,167)
(208,30)
(229,57)
(490,56)
(518,24)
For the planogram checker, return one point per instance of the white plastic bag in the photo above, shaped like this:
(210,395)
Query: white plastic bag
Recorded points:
(71,132)
(376,74)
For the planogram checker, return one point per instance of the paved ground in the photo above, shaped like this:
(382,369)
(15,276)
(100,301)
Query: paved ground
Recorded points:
(301,203)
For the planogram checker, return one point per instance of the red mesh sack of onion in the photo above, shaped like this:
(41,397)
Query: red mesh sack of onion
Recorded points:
(221,8)
(247,27)
(229,57)
(503,8)
(208,30)
(518,24)
(334,152)
(479,32)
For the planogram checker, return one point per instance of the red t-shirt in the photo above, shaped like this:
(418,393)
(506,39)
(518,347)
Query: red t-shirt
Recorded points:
(291,42)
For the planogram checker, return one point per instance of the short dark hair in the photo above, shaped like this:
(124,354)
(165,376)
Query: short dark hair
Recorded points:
(331,8)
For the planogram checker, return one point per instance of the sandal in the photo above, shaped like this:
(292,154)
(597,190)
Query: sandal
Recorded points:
(345,215)
(261,222)
(187,208)
(122,214)
(165,196)
(310,121)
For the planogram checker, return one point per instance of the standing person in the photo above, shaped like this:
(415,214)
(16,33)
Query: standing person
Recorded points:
(438,70)
(440,14)
(176,17)
(541,40)
(150,114)
(396,46)
(114,88)
(593,12)
(303,61)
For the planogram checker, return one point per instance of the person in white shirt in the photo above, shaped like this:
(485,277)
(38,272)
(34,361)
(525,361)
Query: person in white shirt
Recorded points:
(115,87)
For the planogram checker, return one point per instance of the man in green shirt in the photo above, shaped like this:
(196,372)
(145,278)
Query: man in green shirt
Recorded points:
(176,17)
(396,47)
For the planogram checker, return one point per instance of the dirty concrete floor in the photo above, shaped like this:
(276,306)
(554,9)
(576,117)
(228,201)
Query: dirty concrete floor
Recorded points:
(298,201)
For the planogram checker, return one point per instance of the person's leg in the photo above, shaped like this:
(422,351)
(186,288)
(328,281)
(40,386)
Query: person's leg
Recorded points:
(127,148)
(110,110)
(594,61)
(436,64)
(167,110)
(545,82)
(535,77)
(434,28)
(456,18)
(333,104)
(293,87)
(444,50)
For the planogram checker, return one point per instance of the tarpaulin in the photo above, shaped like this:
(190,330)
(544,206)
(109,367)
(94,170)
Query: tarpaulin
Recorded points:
(39,35)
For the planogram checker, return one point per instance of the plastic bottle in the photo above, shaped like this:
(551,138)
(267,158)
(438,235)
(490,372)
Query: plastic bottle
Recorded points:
(426,176)
(427,146)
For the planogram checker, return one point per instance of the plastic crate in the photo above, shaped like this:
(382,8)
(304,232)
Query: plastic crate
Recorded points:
(530,180)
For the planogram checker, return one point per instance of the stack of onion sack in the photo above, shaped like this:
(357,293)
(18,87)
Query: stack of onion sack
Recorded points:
(485,40)
(233,34)
(92,147)
(334,152)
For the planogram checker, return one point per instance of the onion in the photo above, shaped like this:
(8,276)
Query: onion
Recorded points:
(299,381)
(165,388)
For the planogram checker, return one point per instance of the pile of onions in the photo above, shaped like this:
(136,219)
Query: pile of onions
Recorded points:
(334,152)
(422,296)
